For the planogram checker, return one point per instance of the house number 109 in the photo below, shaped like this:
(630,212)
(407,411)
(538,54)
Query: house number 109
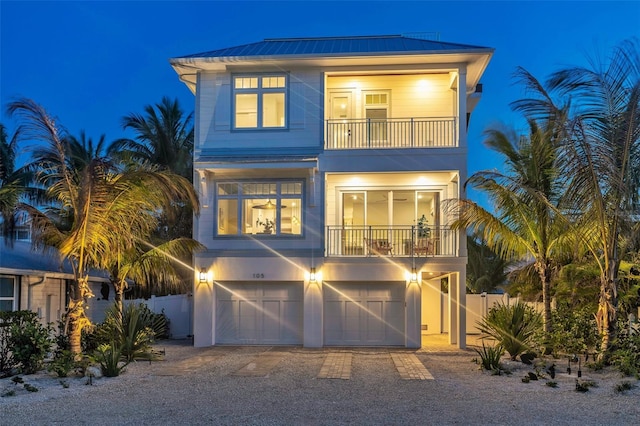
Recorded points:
(258,275)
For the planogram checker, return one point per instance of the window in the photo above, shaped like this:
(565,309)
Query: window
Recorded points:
(260,102)
(259,208)
(7,293)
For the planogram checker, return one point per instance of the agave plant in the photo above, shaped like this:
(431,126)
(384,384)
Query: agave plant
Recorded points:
(513,327)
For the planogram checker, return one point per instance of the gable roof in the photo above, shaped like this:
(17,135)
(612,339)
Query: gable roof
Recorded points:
(337,46)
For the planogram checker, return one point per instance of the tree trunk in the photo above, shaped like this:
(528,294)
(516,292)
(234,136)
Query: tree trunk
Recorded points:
(606,315)
(118,287)
(544,271)
(76,316)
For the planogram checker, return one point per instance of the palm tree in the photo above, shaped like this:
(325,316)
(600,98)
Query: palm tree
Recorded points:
(601,161)
(164,136)
(15,184)
(145,263)
(98,207)
(485,269)
(524,226)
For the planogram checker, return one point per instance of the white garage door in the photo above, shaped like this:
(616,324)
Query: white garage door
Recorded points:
(259,313)
(364,314)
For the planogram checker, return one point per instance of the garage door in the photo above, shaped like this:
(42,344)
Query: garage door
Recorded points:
(364,314)
(259,313)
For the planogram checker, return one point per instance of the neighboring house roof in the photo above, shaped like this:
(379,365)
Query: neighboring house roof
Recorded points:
(20,258)
(358,51)
(336,46)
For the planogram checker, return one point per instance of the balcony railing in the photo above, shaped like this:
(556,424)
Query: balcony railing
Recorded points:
(402,241)
(366,133)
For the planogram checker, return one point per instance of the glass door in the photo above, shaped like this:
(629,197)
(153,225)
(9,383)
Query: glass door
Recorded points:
(354,219)
(340,126)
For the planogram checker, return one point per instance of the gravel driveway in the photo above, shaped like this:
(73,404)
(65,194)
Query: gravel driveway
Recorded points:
(204,386)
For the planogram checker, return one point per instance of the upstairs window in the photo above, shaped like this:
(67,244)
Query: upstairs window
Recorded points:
(260,208)
(260,102)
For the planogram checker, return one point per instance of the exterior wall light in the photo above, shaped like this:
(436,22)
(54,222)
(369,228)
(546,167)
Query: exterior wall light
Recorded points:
(312,275)
(414,275)
(203,275)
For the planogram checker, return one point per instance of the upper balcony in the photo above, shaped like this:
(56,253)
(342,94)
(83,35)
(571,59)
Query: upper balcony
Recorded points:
(367,133)
(391,110)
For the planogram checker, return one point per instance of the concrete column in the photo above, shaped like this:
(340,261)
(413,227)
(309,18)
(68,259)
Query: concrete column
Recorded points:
(203,311)
(462,308)
(453,309)
(313,315)
(413,302)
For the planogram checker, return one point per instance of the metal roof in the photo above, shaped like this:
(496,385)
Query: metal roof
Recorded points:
(21,256)
(336,46)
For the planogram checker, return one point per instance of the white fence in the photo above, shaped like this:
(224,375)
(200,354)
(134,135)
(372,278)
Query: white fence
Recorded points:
(177,308)
(478,306)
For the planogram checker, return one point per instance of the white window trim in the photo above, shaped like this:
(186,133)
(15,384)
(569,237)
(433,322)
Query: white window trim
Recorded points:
(260,91)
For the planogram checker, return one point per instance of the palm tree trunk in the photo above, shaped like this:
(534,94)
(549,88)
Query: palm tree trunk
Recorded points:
(544,271)
(119,287)
(76,316)
(606,315)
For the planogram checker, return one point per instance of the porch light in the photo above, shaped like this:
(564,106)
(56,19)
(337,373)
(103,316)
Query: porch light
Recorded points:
(203,275)
(414,275)
(312,275)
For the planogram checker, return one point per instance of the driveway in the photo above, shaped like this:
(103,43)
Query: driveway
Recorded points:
(292,385)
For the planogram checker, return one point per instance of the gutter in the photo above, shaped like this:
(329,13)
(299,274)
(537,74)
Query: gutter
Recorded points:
(29,291)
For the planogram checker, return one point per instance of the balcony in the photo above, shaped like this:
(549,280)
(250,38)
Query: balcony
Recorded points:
(369,133)
(400,241)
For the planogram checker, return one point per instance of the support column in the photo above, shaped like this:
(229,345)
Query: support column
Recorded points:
(462,107)
(203,310)
(462,308)
(313,315)
(453,309)
(413,302)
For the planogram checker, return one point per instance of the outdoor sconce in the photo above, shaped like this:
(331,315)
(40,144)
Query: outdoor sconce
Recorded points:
(203,275)
(414,275)
(312,275)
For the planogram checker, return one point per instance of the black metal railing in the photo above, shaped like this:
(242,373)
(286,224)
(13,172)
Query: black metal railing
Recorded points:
(363,241)
(366,133)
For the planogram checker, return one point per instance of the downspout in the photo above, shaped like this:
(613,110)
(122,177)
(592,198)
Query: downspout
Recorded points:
(29,291)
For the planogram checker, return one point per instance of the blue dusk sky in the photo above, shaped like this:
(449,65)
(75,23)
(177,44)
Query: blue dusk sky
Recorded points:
(89,63)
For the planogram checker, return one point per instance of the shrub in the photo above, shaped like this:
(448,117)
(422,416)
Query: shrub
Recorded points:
(513,327)
(30,342)
(133,332)
(62,364)
(574,331)
(109,357)
(6,359)
(626,352)
(490,357)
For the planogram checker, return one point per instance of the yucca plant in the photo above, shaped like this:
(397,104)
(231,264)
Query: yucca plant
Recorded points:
(134,331)
(490,357)
(513,327)
(110,359)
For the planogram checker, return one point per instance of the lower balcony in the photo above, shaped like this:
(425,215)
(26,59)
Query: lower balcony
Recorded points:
(401,241)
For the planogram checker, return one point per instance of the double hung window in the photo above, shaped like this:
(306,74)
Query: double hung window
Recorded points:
(259,208)
(260,101)
(7,293)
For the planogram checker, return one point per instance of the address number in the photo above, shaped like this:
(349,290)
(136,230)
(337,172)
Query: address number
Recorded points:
(258,275)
